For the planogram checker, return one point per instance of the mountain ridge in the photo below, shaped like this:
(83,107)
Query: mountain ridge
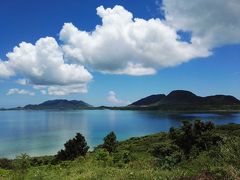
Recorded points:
(59,104)
(149,100)
(186,100)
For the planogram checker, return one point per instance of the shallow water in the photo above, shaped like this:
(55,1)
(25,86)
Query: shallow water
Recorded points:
(44,132)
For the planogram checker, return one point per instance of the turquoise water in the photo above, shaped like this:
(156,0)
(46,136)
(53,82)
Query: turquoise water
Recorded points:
(44,132)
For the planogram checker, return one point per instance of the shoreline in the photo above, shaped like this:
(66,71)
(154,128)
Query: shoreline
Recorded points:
(129,109)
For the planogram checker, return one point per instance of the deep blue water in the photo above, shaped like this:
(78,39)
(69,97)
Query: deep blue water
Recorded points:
(44,132)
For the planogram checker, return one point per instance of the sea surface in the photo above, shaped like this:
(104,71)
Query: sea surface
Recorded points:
(45,132)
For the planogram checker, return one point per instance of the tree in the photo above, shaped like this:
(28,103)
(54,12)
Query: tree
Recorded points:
(110,142)
(168,154)
(22,163)
(73,148)
(198,135)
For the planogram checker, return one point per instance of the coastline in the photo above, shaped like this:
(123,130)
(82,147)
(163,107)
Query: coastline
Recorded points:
(217,111)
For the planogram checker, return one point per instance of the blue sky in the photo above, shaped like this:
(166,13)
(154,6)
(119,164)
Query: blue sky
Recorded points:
(208,64)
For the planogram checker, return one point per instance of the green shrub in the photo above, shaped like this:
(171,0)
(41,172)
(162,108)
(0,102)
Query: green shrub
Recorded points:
(168,155)
(219,173)
(198,136)
(73,148)
(6,163)
(126,157)
(121,158)
(230,151)
(225,172)
(102,156)
(22,163)
(43,160)
(110,142)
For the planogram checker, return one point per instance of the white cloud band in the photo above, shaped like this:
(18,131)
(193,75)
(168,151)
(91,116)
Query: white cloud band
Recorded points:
(20,92)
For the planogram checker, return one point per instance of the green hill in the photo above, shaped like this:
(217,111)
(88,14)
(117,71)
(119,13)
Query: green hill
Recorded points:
(58,104)
(149,100)
(180,100)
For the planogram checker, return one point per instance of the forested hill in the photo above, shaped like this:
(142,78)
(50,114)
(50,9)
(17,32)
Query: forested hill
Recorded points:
(186,100)
(59,104)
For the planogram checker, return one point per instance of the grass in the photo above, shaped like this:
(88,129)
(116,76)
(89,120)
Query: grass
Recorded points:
(221,162)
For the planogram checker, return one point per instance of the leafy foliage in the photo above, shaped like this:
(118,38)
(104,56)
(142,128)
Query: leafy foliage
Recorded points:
(110,142)
(198,135)
(187,141)
(6,163)
(23,161)
(230,151)
(168,154)
(22,164)
(103,156)
(73,148)
(120,159)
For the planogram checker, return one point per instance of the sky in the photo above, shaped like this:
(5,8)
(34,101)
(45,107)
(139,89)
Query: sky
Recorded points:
(116,52)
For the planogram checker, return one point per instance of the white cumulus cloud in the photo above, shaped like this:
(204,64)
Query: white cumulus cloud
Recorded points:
(126,45)
(112,98)
(5,71)
(43,64)
(63,90)
(20,92)
(213,23)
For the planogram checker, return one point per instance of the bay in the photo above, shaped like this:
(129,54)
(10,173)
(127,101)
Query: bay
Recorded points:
(40,133)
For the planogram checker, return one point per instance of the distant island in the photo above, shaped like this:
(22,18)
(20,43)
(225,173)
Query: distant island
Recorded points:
(178,100)
(59,104)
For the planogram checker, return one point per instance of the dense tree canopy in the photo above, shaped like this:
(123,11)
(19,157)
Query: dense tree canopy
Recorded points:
(198,134)
(73,148)
(110,142)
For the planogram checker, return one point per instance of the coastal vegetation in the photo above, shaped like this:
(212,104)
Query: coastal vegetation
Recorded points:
(73,148)
(195,150)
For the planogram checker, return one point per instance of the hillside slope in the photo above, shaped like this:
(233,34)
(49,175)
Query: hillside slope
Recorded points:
(59,104)
(186,100)
(149,100)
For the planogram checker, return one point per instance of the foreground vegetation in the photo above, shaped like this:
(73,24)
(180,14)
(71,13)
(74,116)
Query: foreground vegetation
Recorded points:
(196,150)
